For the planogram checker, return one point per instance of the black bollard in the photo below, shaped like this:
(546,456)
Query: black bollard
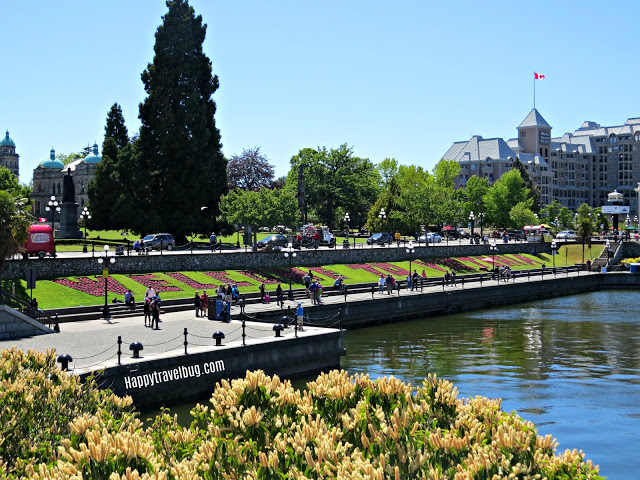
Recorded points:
(119,348)
(218,336)
(185,340)
(278,328)
(244,333)
(136,347)
(64,360)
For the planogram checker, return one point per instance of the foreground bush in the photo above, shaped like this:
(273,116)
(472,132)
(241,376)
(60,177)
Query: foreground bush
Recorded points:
(37,404)
(344,426)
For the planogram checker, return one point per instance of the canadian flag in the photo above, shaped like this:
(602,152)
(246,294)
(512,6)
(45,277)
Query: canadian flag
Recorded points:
(539,76)
(41,220)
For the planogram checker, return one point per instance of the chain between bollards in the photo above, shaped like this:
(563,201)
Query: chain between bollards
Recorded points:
(119,348)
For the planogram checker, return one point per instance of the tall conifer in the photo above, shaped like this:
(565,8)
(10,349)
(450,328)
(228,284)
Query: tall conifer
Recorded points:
(180,148)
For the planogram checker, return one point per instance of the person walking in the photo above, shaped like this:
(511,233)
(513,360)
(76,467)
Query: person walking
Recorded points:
(197,301)
(300,316)
(262,292)
(204,300)
(228,294)
(453,278)
(414,280)
(307,281)
(147,312)
(389,283)
(381,283)
(312,289)
(279,296)
(155,311)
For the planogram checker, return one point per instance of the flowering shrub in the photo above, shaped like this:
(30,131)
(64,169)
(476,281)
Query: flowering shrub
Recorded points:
(92,287)
(347,427)
(153,281)
(38,403)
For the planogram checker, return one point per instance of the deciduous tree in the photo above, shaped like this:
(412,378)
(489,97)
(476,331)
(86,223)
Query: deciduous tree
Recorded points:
(250,170)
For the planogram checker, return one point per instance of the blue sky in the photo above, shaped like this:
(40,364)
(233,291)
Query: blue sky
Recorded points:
(390,79)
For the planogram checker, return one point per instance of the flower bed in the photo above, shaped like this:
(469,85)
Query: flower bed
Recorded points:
(154,282)
(222,277)
(191,282)
(92,287)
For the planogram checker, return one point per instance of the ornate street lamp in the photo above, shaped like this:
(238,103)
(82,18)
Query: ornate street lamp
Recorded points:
(410,251)
(481,221)
(556,222)
(493,247)
(382,216)
(471,219)
(290,253)
(85,216)
(345,244)
(554,250)
(53,207)
(106,260)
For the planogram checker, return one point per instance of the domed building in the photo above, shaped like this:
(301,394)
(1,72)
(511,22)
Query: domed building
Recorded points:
(47,180)
(8,156)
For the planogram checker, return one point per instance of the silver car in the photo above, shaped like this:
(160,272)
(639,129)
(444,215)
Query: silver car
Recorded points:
(157,241)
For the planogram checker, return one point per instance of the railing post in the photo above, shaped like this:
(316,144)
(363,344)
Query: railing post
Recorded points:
(185,341)
(345,294)
(373,290)
(462,282)
(119,348)
(295,329)
(244,334)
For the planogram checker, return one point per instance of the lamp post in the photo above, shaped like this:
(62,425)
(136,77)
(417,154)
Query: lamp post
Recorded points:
(53,207)
(410,251)
(471,219)
(382,216)
(481,222)
(556,222)
(493,247)
(345,244)
(85,216)
(290,253)
(554,250)
(106,260)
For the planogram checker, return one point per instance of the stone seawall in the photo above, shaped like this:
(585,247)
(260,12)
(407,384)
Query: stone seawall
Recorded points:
(175,376)
(452,300)
(69,267)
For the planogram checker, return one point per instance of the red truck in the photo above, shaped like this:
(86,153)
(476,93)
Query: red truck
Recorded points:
(39,241)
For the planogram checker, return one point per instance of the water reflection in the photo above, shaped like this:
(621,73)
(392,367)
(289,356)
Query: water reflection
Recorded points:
(570,365)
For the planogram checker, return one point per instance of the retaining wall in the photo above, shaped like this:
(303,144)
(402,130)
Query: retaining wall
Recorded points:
(69,267)
(175,376)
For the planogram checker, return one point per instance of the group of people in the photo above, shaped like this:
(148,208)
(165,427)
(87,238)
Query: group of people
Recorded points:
(201,303)
(152,306)
(138,246)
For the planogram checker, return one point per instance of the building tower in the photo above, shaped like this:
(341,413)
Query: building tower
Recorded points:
(8,156)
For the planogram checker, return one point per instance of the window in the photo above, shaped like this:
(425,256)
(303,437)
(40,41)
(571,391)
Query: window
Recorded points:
(523,133)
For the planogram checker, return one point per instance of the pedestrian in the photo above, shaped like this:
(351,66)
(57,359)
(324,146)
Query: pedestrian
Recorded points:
(228,294)
(262,292)
(414,278)
(197,301)
(381,283)
(279,296)
(453,278)
(300,316)
(204,300)
(447,277)
(130,300)
(213,240)
(319,294)
(147,312)
(312,289)
(389,283)
(155,311)
(307,281)
(150,293)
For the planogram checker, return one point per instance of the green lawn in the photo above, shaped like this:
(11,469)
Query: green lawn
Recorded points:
(54,295)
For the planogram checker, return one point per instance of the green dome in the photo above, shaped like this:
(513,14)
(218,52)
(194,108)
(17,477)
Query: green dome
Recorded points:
(52,162)
(7,142)
(93,158)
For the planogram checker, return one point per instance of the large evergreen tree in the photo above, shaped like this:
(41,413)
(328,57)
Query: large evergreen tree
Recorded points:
(180,148)
(115,127)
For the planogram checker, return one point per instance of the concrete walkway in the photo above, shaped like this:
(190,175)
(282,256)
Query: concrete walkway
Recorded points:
(93,343)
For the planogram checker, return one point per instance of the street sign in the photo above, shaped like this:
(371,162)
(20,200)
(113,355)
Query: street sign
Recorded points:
(105,273)
(31,278)
(616,209)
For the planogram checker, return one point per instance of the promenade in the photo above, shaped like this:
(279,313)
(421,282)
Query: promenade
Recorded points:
(93,343)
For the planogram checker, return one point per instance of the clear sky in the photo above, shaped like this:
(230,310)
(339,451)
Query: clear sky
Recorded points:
(391,79)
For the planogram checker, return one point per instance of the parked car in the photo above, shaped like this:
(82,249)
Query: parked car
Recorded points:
(380,239)
(273,241)
(159,240)
(430,237)
(264,229)
(567,235)
(462,233)
(517,234)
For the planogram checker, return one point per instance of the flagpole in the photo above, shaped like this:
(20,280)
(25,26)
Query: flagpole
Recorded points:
(534,90)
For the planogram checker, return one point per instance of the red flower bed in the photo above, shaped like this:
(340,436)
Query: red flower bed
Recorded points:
(526,260)
(366,267)
(429,265)
(261,277)
(191,282)
(93,287)
(387,267)
(155,283)
(454,264)
(327,273)
(222,277)
(479,263)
